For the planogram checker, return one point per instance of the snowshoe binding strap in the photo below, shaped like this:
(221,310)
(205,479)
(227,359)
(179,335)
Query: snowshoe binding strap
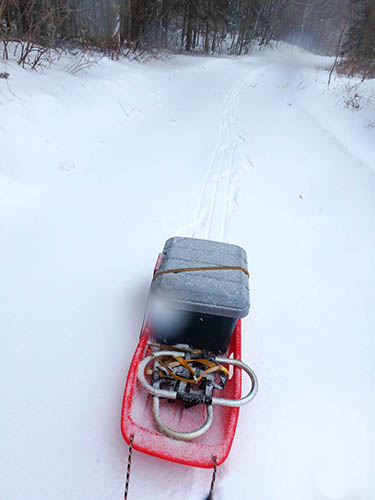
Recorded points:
(179,360)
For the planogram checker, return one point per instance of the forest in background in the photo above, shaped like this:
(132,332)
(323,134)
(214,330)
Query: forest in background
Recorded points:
(344,28)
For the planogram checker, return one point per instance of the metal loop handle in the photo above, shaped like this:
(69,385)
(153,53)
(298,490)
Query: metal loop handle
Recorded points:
(181,436)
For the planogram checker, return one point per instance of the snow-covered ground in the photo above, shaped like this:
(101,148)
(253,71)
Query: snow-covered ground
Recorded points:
(97,170)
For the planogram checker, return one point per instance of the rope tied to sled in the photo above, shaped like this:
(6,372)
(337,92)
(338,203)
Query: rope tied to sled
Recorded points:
(128,468)
(214,474)
(208,268)
(126,492)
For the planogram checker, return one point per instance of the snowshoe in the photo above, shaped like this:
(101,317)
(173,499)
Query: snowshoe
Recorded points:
(183,390)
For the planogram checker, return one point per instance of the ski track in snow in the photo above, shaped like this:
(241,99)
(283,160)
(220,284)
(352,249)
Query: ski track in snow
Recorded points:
(218,198)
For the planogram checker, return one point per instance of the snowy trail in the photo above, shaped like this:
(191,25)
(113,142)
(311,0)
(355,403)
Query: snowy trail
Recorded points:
(97,170)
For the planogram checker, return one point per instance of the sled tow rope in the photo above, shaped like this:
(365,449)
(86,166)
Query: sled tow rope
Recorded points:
(128,468)
(214,473)
(127,480)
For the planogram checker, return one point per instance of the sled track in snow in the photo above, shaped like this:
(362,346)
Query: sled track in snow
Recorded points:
(217,200)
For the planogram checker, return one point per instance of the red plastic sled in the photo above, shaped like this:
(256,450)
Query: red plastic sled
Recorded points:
(137,420)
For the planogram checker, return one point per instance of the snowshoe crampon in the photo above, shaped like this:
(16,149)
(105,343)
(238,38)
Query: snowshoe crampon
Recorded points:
(183,390)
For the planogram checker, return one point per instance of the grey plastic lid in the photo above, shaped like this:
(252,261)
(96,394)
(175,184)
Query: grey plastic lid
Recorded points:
(218,292)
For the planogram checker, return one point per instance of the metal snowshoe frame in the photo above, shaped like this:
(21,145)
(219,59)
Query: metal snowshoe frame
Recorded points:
(202,369)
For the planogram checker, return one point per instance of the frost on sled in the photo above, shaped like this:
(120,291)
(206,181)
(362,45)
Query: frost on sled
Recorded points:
(183,390)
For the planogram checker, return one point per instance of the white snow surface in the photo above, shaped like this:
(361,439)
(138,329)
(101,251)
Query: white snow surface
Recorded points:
(97,170)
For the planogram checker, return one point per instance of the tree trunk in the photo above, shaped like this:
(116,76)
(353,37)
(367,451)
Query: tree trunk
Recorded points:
(189,27)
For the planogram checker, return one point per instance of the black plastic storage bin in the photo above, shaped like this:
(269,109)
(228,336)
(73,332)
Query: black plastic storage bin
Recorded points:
(199,291)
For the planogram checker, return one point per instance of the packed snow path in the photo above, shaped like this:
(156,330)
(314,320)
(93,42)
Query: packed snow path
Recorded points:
(97,170)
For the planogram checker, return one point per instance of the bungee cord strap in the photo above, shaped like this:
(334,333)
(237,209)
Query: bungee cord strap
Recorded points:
(174,361)
(206,268)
